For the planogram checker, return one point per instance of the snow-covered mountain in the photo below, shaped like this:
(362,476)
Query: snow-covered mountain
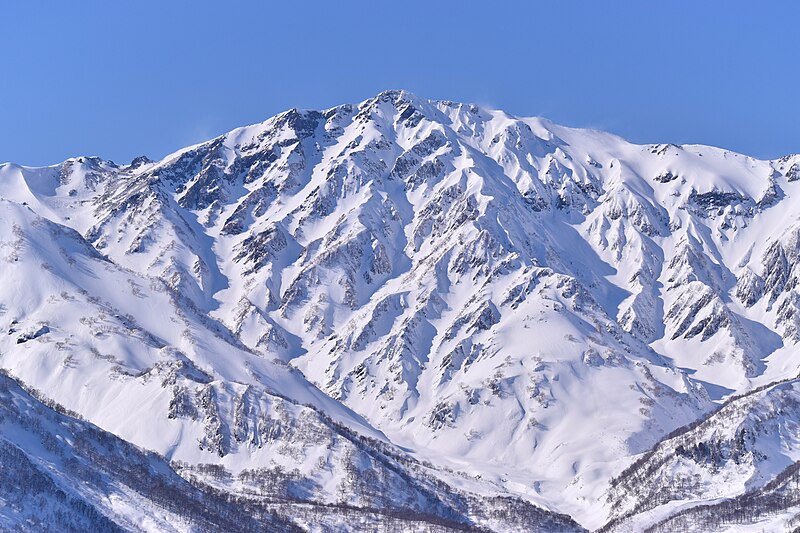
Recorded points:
(420,313)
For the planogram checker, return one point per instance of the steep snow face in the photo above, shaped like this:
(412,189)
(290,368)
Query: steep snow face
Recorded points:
(526,304)
(736,452)
(63,474)
(124,352)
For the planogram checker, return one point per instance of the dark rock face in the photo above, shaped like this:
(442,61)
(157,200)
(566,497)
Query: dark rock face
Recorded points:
(36,333)
(793,174)
(665,177)
(140,161)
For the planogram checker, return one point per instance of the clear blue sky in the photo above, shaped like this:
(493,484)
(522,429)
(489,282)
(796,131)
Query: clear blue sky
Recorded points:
(123,78)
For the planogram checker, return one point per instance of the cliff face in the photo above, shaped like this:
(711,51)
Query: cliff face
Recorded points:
(525,307)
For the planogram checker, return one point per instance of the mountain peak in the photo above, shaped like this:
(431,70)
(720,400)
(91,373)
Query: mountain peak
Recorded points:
(410,305)
(397,96)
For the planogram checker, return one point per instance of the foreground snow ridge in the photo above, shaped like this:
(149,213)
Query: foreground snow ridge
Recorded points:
(402,315)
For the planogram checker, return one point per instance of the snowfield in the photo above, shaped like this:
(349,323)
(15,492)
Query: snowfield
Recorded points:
(408,314)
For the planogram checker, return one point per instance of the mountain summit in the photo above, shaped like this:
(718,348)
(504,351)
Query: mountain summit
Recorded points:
(421,313)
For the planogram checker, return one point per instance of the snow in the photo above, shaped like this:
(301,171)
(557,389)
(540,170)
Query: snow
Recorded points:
(526,307)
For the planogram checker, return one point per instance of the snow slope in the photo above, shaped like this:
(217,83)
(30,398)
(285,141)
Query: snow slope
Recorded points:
(163,378)
(523,308)
(63,474)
